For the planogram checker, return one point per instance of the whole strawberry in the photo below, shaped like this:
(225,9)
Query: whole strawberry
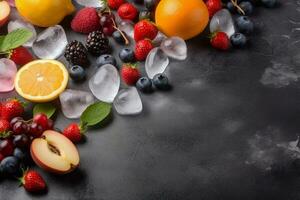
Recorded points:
(32,181)
(21,56)
(130,74)
(115,4)
(128,11)
(86,20)
(213,6)
(74,132)
(11,108)
(220,41)
(145,29)
(142,49)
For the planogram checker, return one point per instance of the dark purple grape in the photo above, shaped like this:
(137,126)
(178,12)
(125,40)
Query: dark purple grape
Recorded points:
(20,127)
(35,130)
(15,120)
(21,141)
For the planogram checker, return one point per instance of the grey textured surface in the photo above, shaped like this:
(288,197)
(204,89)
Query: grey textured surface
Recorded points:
(223,132)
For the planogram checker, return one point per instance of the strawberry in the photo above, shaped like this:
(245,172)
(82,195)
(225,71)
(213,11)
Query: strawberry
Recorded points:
(4,125)
(74,132)
(220,41)
(11,108)
(21,56)
(145,29)
(115,4)
(130,74)
(86,20)
(213,6)
(32,181)
(142,49)
(128,11)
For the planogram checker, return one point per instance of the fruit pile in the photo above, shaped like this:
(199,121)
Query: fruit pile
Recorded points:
(23,141)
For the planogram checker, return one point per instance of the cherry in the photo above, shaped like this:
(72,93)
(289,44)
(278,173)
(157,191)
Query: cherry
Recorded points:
(42,120)
(108,30)
(15,120)
(21,141)
(35,129)
(6,147)
(20,127)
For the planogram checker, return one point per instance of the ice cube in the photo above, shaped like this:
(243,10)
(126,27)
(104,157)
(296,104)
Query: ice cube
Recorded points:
(50,43)
(20,23)
(222,21)
(174,47)
(8,70)
(156,62)
(127,27)
(74,102)
(91,3)
(105,83)
(158,39)
(128,102)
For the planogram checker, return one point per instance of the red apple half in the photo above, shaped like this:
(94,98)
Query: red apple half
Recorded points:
(54,153)
(4,12)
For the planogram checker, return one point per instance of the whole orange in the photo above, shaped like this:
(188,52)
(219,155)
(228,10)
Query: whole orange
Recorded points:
(183,18)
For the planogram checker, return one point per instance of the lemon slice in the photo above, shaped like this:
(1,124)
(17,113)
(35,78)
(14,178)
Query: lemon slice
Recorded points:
(41,80)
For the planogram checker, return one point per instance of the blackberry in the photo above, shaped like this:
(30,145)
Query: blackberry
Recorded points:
(97,43)
(76,53)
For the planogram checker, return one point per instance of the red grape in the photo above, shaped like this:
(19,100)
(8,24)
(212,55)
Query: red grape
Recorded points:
(20,127)
(36,130)
(6,147)
(42,120)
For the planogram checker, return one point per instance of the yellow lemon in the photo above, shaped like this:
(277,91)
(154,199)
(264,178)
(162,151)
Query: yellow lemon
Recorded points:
(41,80)
(44,13)
(183,18)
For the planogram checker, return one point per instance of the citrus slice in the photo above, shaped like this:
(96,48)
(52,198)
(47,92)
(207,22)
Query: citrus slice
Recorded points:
(41,80)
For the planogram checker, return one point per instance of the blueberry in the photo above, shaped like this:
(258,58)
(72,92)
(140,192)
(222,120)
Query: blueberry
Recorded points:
(161,82)
(244,24)
(144,14)
(144,84)
(238,40)
(127,55)
(118,37)
(231,7)
(77,73)
(19,154)
(106,59)
(269,3)
(10,165)
(150,4)
(247,7)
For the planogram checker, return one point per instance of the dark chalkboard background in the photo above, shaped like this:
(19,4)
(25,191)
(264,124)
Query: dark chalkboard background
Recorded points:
(223,132)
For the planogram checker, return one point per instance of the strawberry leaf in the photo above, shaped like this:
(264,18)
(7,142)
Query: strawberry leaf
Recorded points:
(45,108)
(14,39)
(95,113)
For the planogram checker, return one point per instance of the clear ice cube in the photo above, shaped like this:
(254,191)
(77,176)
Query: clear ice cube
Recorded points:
(50,43)
(174,47)
(222,22)
(158,39)
(128,102)
(91,3)
(156,62)
(105,83)
(8,70)
(127,27)
(74,102)
(20,23)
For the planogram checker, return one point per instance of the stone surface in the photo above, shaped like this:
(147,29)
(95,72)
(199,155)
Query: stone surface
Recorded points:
(198,140)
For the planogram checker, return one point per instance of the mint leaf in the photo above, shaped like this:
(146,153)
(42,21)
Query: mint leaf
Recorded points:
(45,108)
(14,39)
(95,113)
